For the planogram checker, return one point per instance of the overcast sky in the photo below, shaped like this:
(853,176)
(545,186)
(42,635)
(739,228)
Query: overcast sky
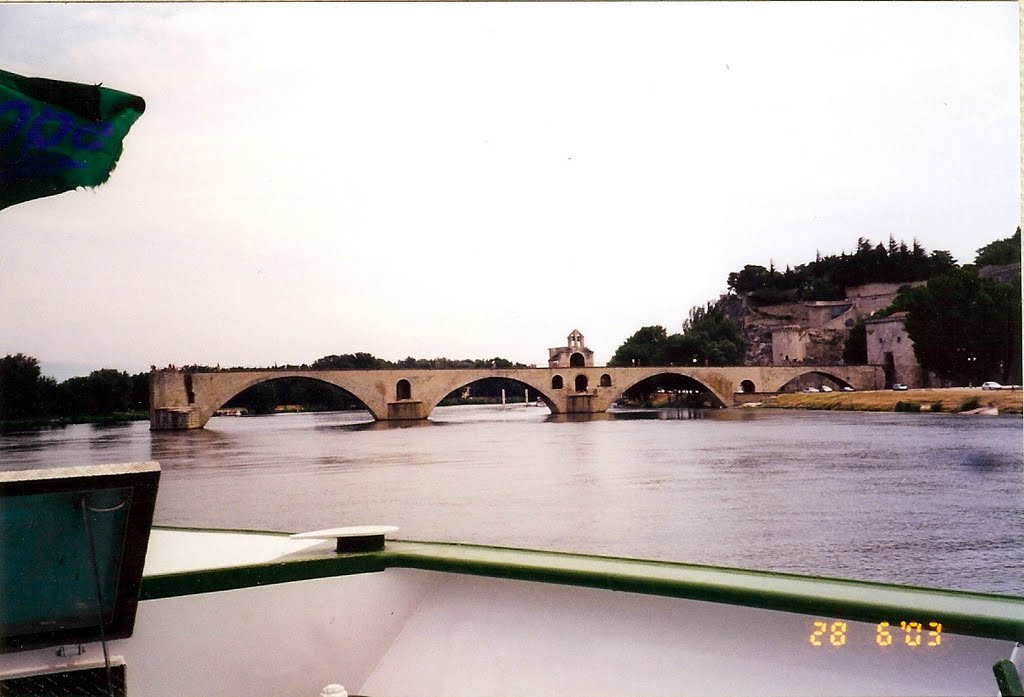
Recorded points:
(476,180)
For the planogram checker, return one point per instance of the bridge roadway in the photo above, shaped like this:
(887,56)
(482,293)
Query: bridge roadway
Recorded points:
(181,400)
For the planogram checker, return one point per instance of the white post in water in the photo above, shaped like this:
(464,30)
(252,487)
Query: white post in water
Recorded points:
(526,399)
(502,396)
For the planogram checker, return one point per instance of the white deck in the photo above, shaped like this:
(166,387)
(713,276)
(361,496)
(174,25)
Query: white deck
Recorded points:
(405,631)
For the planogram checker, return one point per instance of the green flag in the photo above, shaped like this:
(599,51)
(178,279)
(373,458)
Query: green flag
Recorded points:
(57,136)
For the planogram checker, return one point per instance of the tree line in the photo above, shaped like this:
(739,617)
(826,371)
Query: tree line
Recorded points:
(828,277)
(313,395)
(27,394)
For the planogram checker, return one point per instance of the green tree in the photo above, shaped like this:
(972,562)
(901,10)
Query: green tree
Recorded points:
(717,339)
(108,391)
(965,329)
(1005,251)
(645,347)
(350,361)
(827,277)
(21,387)
(140,392)
(855,350)
(709,337)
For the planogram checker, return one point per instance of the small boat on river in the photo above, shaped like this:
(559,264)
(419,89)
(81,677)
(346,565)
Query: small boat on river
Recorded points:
(93,595)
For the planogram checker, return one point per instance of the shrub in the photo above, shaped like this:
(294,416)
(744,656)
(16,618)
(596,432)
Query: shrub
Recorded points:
(907,406)
(937,406)
(971,403)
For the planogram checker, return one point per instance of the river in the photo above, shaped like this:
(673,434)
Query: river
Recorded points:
(922,499)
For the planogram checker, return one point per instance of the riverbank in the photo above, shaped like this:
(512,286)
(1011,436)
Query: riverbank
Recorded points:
(49,421)
(953,399)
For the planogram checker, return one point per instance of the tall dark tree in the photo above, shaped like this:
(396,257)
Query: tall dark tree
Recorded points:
(20,387)
(855,350)
(140,392)
(965,329)
(109,391)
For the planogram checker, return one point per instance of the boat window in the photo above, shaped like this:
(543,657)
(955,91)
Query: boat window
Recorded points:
(74,546)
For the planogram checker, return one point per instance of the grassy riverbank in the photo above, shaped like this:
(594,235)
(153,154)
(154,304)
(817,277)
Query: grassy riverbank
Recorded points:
(941,399)
(47,421)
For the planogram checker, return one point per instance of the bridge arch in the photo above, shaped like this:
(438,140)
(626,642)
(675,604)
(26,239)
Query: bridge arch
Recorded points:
(530,385)
(715,397)
(804,379)
(214,401)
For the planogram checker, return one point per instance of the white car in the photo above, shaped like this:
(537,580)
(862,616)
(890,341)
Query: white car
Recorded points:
(811,389)
(900,387)
(847,389)
(826,388)
(991,386)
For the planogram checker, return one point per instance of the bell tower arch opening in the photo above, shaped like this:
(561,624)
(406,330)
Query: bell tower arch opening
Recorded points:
(574,354)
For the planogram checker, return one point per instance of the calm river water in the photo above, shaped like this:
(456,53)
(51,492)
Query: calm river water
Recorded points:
(923,499)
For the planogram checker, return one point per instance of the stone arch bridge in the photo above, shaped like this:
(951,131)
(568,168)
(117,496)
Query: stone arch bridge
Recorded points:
(181,400)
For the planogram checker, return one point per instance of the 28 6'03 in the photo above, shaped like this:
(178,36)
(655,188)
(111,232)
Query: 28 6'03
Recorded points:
(912,634)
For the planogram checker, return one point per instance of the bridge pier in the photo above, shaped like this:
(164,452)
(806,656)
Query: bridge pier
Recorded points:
(580,403)
(407,410)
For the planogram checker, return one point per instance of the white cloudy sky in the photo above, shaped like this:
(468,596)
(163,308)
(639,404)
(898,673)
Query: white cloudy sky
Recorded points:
(472,180)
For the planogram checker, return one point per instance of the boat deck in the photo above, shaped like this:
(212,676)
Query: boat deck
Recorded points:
(173,568)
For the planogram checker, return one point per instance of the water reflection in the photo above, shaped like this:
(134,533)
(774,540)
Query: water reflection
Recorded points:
(665,414)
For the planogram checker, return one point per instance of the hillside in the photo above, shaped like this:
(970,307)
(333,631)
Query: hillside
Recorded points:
(819,327)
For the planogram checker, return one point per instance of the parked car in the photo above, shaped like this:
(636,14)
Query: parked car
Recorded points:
(811,389)
(848,389)
(900,387)
(991,386)
(826,388)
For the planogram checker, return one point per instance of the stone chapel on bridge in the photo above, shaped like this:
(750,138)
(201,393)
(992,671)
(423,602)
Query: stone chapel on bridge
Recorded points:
(575,355)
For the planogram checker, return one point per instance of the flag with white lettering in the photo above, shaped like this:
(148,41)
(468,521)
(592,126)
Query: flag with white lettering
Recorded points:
(57,136)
